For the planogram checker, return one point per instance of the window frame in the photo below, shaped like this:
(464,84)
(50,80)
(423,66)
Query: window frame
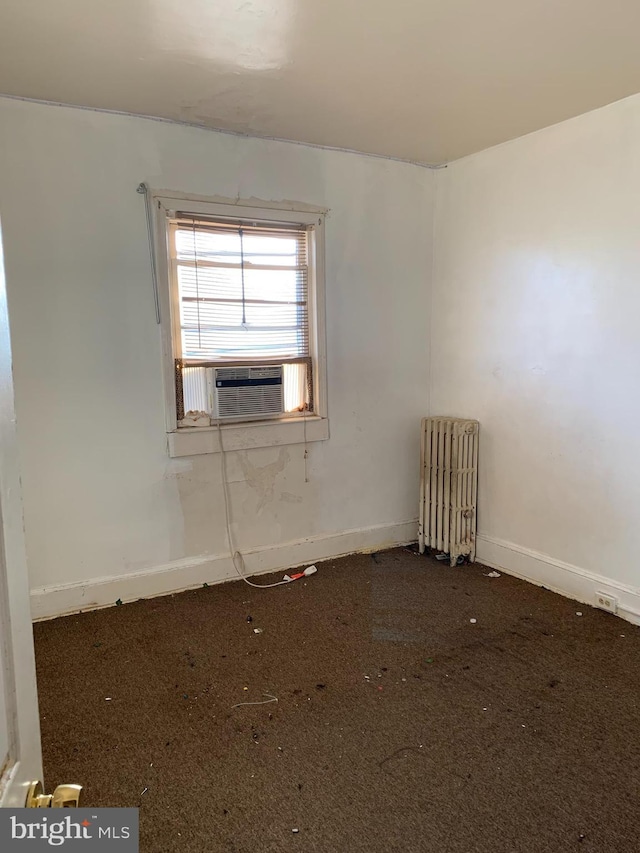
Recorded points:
(266,432)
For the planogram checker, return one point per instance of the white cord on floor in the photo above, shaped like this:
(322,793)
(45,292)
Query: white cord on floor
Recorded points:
(236,557)
(271,698)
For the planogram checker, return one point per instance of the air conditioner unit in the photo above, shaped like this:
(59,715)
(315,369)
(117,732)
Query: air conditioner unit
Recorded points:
(242,392)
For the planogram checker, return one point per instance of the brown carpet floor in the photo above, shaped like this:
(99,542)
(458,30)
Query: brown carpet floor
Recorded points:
(400,725)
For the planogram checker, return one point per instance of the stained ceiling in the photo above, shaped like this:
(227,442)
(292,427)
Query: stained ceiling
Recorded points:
(423,80)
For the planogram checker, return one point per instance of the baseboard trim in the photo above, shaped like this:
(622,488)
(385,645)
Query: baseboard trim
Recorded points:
(50,601)
(563,578)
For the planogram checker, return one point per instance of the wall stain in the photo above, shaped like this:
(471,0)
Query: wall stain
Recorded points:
(263,479)
(290,498)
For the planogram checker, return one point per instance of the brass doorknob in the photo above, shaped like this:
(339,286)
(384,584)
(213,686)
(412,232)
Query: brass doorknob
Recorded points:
(64,797)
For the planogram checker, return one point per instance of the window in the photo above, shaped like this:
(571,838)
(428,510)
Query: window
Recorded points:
(242,291)
(245,325)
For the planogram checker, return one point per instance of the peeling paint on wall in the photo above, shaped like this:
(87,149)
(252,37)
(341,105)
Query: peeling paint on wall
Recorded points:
(176,467)
(263,479)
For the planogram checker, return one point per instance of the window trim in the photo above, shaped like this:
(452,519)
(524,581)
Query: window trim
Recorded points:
(181,441)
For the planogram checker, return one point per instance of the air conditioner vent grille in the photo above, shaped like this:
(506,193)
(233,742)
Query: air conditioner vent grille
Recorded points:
(248,391)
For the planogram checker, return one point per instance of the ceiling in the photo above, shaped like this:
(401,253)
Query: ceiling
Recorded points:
(422,80)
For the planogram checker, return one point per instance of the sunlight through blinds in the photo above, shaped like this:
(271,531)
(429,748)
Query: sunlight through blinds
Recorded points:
(242,289)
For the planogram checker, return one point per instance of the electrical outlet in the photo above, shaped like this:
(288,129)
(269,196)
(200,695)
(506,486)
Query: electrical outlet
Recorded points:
(606,601)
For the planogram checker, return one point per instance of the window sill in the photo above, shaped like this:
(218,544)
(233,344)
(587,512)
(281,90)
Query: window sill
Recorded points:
(194,441)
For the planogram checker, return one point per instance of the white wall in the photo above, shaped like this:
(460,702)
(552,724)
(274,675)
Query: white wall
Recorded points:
(102,498)
(536,332)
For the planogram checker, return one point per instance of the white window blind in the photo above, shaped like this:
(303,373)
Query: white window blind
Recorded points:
(242,290)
